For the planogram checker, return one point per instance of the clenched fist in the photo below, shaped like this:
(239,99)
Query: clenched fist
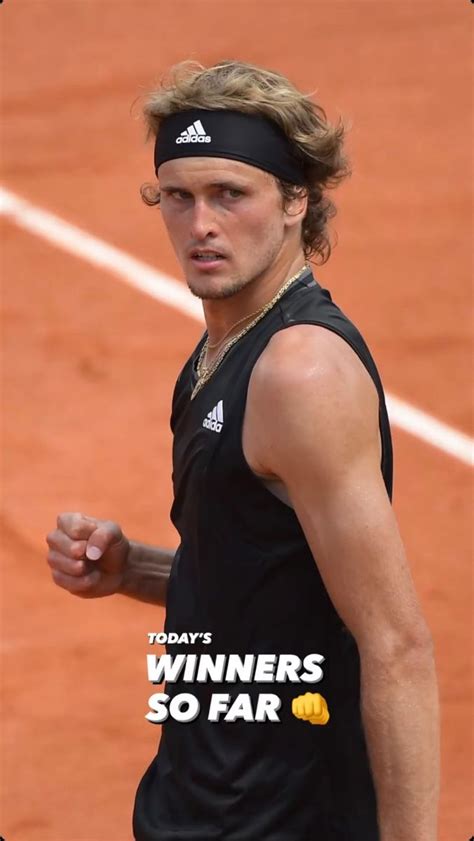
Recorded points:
(311,707)
(87,556)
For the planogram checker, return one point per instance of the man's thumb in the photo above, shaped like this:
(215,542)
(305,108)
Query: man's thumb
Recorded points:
(101,540)
(93,552)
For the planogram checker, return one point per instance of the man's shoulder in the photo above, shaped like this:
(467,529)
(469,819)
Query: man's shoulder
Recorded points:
(303,356)
(310,400)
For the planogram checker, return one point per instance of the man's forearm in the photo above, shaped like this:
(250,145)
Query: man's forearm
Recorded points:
(400,711)
(147,573)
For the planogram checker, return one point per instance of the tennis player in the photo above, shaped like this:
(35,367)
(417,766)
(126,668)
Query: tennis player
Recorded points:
(282,474)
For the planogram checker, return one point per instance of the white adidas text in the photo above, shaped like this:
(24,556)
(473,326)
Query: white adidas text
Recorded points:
(195,133)
(215,418)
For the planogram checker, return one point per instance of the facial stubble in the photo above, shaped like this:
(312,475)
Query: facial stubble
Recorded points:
(235,285)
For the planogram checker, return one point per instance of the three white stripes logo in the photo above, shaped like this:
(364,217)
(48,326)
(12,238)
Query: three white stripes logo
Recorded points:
(194,133)
(215,418)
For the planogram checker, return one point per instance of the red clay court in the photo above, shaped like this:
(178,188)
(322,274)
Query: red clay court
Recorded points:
(90,360)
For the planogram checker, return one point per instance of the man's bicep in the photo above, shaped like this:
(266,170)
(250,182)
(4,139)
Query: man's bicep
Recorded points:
(355,541)
(320,437)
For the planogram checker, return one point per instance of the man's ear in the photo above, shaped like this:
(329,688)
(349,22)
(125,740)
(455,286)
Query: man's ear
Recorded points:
(296,207)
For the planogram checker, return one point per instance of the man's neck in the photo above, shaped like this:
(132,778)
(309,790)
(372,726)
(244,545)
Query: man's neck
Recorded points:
(221,314)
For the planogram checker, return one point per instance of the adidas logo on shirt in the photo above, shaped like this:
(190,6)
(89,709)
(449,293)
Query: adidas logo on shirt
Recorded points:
(215,419)
(194,134)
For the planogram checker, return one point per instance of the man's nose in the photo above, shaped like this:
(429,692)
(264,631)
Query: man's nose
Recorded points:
(203,221)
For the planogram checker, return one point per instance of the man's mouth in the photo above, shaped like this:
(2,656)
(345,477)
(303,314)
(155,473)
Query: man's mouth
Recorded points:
(206,258)
(206,254)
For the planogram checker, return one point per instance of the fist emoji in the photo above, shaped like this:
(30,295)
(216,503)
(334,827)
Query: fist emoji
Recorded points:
(310,707)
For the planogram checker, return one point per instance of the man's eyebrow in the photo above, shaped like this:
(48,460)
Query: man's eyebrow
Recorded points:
(237,185)
(232,185)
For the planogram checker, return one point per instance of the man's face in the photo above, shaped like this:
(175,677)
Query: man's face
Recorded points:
(216,206)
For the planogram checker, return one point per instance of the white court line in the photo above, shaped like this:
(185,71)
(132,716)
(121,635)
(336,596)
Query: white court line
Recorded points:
(175,294)
(96,251)
(429,429)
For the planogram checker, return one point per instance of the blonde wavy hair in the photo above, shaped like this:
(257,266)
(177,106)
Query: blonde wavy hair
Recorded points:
(240,86)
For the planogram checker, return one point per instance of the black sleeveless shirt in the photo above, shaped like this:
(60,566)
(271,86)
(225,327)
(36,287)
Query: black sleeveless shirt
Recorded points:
(244,572)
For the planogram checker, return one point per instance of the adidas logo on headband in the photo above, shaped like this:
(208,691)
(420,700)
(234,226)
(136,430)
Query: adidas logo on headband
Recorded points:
(194,134)
(253,139)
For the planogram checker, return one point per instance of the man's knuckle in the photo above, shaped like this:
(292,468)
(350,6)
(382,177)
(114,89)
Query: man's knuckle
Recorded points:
(55,558)
(57,577)
(56,536)
(65,519)
(77,568)
(86,583)
(77,549)
(113,529)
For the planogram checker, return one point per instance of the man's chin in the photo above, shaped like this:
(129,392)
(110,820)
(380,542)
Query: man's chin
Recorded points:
(213,295)
(210,290)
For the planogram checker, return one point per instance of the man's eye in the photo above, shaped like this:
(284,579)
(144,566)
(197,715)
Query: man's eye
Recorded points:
(177,194)
(233,194)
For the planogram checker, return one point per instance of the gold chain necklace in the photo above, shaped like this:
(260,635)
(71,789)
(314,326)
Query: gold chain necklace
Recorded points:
(205,373)
(245,318)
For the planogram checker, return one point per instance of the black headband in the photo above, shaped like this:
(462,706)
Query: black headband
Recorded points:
(249,138)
